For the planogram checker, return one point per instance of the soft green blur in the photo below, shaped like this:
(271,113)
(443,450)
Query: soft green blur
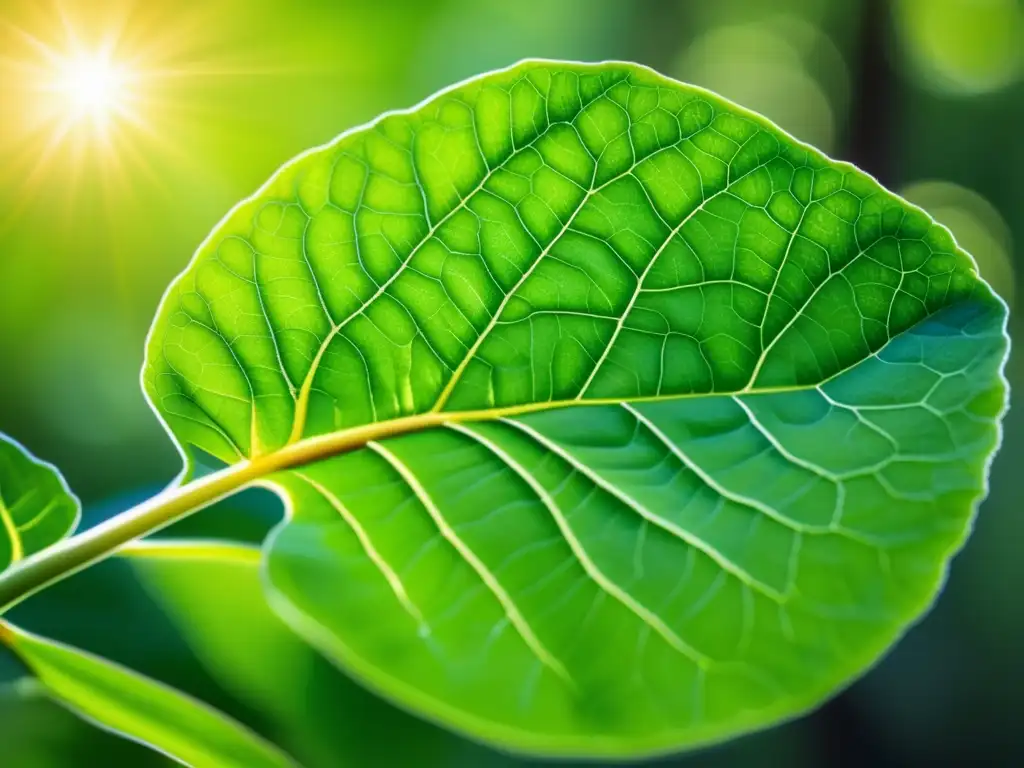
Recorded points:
(925,94)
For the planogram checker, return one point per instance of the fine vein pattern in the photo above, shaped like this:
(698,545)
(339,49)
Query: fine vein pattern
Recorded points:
(741,398)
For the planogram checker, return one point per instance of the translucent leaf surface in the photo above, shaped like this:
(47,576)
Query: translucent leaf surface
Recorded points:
(37,508)
(610,418)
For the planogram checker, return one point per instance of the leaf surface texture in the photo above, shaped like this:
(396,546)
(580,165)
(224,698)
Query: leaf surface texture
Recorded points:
(626,421)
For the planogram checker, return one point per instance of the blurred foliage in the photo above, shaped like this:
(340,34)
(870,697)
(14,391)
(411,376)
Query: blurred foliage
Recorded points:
(783,66)
(927,95)
(963,47)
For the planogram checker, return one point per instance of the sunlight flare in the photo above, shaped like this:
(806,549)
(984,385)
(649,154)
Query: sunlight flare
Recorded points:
(85,107)
(93,86)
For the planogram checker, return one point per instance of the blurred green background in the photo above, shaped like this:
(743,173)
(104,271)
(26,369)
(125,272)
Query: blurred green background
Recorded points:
(927,95)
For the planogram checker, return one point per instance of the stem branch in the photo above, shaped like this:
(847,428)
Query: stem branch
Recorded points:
(67,557)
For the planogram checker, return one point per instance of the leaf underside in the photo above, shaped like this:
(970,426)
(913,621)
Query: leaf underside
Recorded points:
(716,410)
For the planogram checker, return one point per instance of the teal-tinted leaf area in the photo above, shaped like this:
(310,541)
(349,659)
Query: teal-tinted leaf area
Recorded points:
(680,420)
(37,508)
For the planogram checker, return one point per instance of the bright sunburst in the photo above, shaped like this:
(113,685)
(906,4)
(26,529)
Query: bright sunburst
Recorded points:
(102,102)
(97,92)
(82,102)
(93,86)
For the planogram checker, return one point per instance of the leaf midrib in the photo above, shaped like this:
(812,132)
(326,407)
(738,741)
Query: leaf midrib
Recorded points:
(319,447)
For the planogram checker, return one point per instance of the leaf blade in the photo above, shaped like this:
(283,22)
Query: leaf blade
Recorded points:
(639,272)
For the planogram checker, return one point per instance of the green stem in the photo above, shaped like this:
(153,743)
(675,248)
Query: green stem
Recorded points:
(55,563)
(50,565)
(67,557)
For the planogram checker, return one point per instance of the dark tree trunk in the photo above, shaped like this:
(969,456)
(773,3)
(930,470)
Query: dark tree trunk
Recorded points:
(874,108)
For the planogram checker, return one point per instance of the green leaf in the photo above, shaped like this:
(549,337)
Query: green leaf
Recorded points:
(37,508)
(610,418)
(115,698)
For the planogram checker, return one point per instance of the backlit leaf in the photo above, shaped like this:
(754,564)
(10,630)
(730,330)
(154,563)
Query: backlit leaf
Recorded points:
(37,508)
(610,418)
(154,609)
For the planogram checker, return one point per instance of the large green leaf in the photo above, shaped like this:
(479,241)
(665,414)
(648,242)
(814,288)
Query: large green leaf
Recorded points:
(610,418)
(116,698)
(37,508)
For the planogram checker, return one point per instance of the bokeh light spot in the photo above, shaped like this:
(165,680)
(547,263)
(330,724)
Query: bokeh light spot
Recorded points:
(767,66)
(962,47)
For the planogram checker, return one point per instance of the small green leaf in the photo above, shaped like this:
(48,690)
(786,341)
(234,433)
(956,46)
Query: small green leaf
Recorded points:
(610,418)
(37,508)
(115,698)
